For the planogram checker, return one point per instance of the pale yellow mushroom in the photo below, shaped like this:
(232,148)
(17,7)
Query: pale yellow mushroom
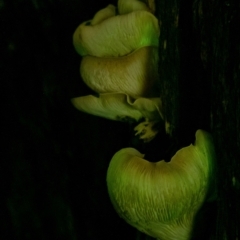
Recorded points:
(120,107)
(114,36)
(161,199)
(135,74)
(120,62)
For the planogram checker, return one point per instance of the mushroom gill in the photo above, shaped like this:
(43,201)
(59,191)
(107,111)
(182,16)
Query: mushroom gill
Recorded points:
(161,199)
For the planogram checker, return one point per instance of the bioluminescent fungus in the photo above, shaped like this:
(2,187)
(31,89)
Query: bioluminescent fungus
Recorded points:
(120,63)
(113,35)
(161,199)
(119,49)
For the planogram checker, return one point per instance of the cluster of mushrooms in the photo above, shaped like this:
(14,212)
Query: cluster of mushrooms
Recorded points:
(119,49)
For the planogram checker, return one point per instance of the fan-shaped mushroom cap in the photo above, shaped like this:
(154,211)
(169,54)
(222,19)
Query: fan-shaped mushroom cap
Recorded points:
(118,35)
(134,74)
(161,199)
(119,106)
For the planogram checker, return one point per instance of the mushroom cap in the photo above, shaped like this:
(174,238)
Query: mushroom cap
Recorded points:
(161,199)
(127,6)
(116,36)
(135,74)
(119,106)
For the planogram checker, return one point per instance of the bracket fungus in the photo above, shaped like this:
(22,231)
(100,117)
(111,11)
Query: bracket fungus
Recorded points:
(134,74)
(119,50)
(161,199)
(110,34)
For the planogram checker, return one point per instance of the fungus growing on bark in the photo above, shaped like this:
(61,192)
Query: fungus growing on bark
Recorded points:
(117,35)
(120,63)
(161,199)
(134,74)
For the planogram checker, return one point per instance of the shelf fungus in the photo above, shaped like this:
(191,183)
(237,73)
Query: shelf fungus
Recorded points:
(110,34)
(119,49)
(161,199)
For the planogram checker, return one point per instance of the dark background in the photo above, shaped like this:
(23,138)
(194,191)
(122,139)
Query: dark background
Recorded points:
(54,158)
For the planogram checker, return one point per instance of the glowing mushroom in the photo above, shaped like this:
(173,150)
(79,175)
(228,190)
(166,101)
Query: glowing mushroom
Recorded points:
(161,199)
(109,35)
(121,107)
(134,74)
(120,63)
